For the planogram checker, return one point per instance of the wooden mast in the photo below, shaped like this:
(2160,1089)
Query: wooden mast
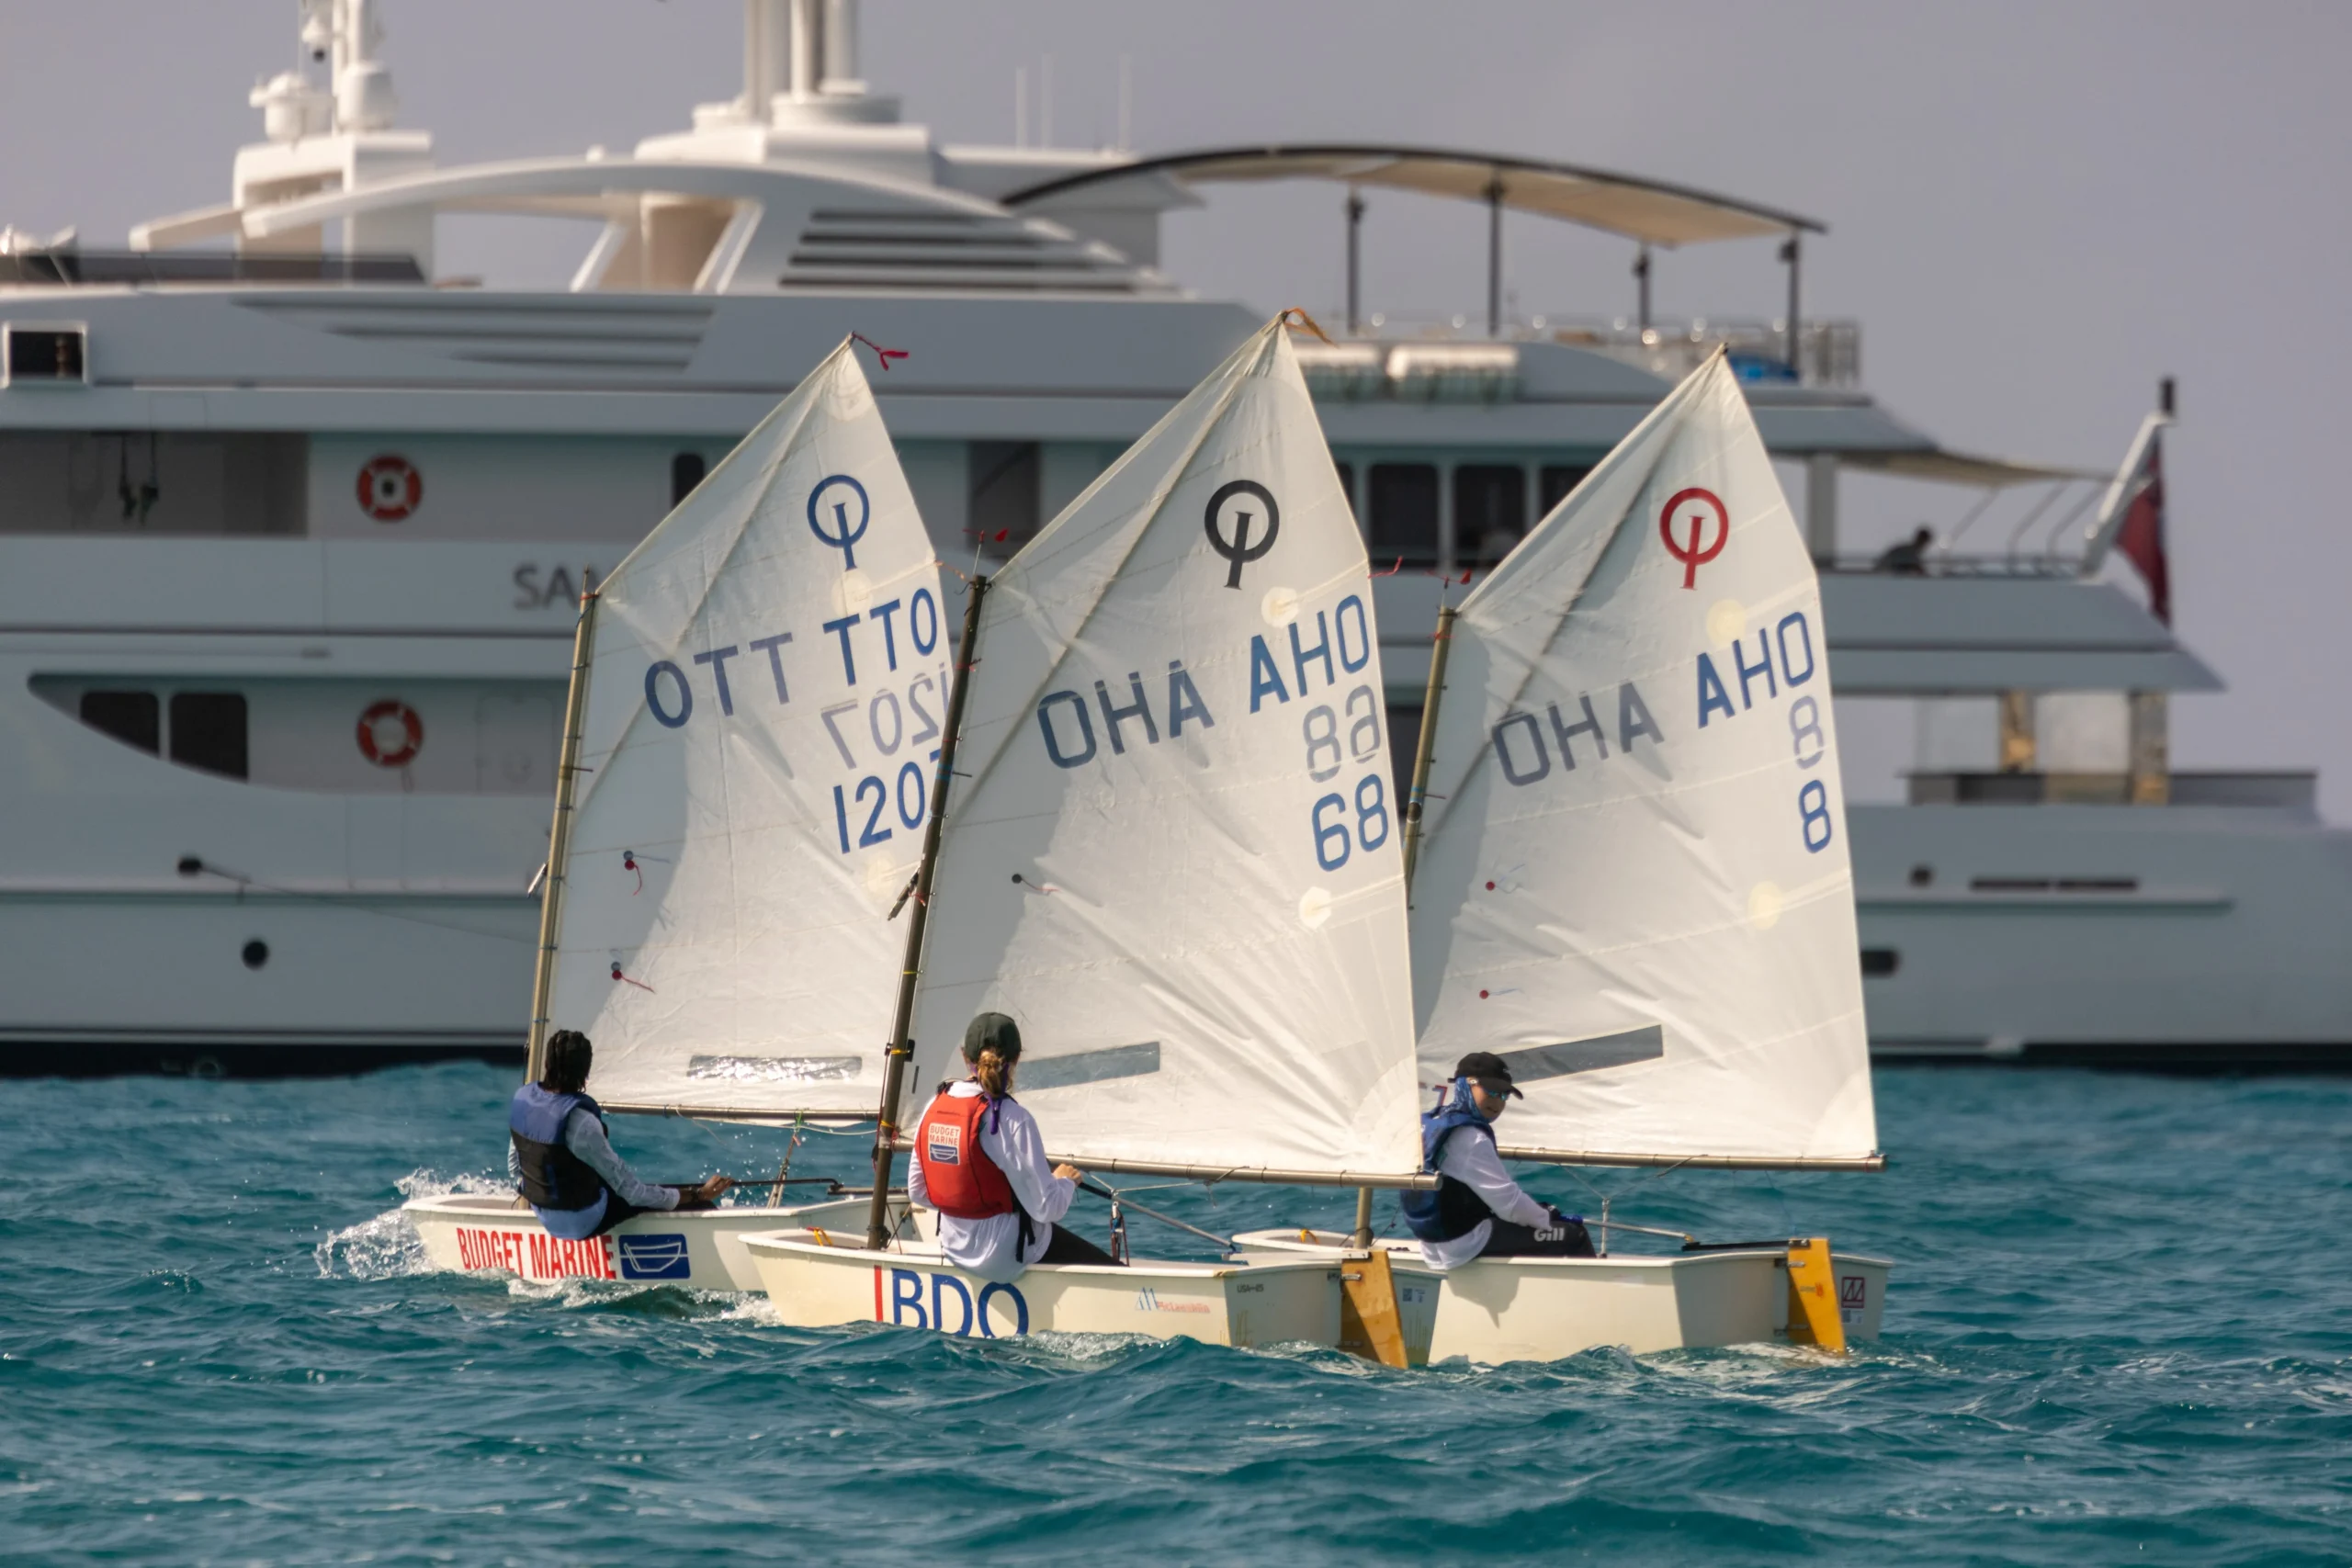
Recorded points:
(1423,750)
(895,1057)
(575,704)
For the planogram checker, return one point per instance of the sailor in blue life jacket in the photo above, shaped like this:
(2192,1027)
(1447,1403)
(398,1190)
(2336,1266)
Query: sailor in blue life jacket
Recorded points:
(563,1163)
(981,1163)
(1477,1209)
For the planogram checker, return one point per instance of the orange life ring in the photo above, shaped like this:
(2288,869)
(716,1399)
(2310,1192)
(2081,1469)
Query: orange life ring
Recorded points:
(390,488)
(390,734)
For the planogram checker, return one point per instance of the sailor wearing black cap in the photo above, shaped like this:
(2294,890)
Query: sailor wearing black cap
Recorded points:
(981,1163)
(1477,1209)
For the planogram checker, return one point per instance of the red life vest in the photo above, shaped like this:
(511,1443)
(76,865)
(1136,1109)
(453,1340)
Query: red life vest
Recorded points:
(956,1172)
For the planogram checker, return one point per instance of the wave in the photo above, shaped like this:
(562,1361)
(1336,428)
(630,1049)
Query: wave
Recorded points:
(387,1246)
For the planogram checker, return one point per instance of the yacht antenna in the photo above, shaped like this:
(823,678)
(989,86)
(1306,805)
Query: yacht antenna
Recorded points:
(1127,103)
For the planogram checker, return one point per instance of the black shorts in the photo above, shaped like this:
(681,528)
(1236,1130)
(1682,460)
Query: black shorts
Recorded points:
(1069,1247)
(618,1208)
(1568,1240)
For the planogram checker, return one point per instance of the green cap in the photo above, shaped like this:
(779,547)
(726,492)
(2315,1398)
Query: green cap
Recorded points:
(993,1032)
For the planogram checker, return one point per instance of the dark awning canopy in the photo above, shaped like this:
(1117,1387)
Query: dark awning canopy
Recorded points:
(1645,211)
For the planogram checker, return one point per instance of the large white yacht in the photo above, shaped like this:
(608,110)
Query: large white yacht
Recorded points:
(294,527)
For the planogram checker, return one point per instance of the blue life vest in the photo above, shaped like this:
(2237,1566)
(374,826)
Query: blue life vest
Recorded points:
(1454,1209)
(553,1176)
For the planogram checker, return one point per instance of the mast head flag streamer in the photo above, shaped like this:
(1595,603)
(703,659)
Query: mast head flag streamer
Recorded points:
(1634,885)
(769,677)
(1176,859)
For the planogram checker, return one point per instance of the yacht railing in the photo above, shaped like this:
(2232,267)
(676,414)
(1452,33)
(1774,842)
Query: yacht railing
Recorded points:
(2280,791)
(1937,565)
(1830,353)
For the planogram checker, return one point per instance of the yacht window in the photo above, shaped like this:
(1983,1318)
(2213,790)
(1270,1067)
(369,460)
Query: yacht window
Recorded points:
(1403,513)
(1489,512)
(1880,961)
(1556,482)
(1404,735)
(135,719)
(1004,489)
(209,731)
(686,470)
(191,482)
(45,354)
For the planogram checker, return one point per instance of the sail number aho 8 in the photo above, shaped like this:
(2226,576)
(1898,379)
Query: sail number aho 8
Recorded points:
(1527,742)
(1792,637)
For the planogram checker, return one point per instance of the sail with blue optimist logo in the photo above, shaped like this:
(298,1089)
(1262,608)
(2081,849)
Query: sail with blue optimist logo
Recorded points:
(1634,885)
(1176,860)
(767,686)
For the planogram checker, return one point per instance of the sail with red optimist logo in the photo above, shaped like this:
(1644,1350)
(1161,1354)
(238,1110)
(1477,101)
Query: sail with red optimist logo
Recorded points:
(1634,882)
(765,689)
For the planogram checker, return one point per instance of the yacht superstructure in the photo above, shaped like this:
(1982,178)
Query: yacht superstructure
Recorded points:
(296,528)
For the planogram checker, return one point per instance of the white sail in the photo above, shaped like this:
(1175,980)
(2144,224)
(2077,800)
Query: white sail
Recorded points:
(1635,884)
(769,675)
(1176,859)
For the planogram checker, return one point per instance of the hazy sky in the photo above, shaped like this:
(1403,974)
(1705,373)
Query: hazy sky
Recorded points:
(2035,211)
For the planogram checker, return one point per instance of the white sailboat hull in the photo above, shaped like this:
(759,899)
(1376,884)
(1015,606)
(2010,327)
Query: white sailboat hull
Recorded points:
(700,1250)
(1540,1309)
(1264,1301)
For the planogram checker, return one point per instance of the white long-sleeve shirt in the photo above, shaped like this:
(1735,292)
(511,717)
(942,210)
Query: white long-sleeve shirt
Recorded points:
(991,1247)
(1472,1160)
(585,1136)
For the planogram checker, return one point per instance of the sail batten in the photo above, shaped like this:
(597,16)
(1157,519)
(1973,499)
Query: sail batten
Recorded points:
(769,678)
(1637,888)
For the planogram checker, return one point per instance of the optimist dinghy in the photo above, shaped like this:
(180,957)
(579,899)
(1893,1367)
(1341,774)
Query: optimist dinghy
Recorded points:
(1176,863)
(1633,885)
(755,715)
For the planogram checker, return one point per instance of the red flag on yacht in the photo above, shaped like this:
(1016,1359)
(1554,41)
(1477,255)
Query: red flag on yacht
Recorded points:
(2142,537)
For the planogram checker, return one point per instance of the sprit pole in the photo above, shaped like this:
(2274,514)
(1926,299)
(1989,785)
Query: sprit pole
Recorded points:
(1426,748)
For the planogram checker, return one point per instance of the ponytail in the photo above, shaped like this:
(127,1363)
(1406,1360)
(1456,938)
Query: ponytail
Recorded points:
(991,1072)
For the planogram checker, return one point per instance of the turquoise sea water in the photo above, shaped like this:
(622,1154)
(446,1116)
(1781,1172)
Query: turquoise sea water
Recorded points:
(2121,1331)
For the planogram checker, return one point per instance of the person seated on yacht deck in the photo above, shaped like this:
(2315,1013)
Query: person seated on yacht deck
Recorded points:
(1909,558)
(1477,1209)
(562,1161)
(980,1162)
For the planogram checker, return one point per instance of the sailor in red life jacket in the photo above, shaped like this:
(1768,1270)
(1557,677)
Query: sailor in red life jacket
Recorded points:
(980,1162)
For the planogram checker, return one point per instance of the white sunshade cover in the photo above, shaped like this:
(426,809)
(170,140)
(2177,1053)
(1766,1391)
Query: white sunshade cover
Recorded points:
(767,685)
(1635,884)
(1176,859)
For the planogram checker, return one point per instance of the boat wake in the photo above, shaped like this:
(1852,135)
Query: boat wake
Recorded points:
(387,1246)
